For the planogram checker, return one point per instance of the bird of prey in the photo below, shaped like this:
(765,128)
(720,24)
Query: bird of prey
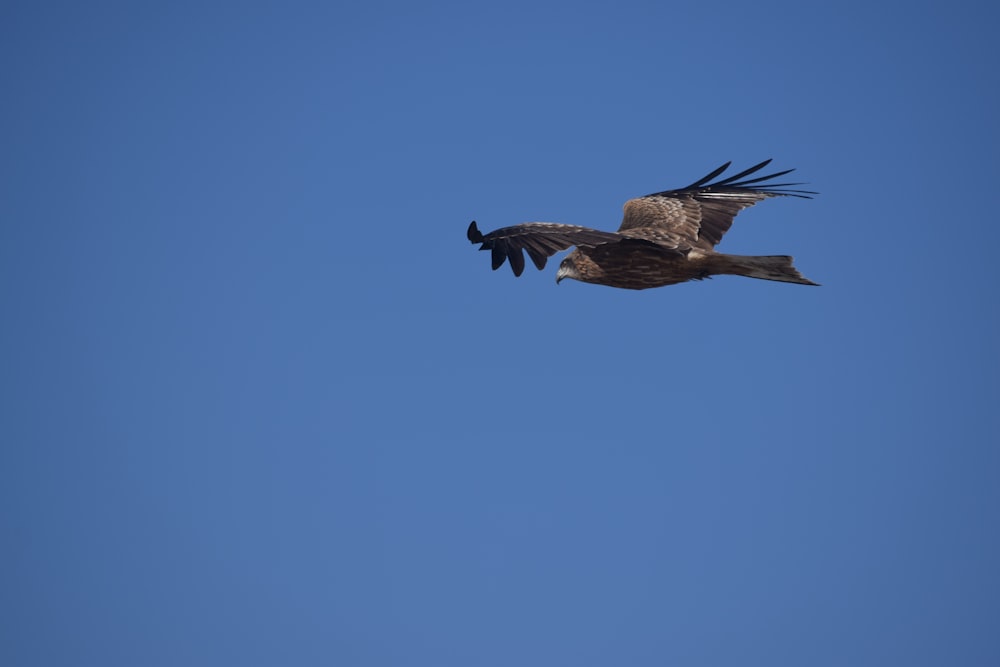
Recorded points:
(665,238)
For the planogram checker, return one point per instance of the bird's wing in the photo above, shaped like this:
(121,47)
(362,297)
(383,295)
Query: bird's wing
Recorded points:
(703,212)
(540,239)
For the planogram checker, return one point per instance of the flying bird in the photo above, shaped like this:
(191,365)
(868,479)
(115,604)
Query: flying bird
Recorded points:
(665,238)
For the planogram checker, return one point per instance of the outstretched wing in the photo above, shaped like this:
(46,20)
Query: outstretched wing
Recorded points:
(703,212)
(540,239)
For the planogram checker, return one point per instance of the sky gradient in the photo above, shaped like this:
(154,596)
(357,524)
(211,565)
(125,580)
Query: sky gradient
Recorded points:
(263,404)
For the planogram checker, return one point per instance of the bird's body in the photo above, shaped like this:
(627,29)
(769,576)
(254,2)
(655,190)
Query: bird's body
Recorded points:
(643,266)
(665,238)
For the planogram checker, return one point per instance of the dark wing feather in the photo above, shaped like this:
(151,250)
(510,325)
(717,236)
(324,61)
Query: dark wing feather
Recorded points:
(540,240)
(701,213)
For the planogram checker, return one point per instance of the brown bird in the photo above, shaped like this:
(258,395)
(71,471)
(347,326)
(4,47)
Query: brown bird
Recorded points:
(665,238)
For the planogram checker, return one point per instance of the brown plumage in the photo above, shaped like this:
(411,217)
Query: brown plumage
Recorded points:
(665,238)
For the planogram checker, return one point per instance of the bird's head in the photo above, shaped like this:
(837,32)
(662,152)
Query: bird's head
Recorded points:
(567,269)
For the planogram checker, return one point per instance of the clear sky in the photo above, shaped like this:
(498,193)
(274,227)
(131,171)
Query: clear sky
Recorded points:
(261,402)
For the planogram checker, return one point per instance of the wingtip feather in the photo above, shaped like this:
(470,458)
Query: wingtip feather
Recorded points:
(497,256)
(701,181)
(474,235)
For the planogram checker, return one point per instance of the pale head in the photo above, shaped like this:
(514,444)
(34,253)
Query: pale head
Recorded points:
(567,269)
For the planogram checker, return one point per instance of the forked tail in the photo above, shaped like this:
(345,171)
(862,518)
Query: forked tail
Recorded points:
(765,267)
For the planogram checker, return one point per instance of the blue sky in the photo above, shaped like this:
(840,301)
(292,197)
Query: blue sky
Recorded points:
(263,403)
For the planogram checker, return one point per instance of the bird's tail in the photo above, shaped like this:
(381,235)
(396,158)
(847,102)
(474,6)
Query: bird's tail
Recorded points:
(765,267)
